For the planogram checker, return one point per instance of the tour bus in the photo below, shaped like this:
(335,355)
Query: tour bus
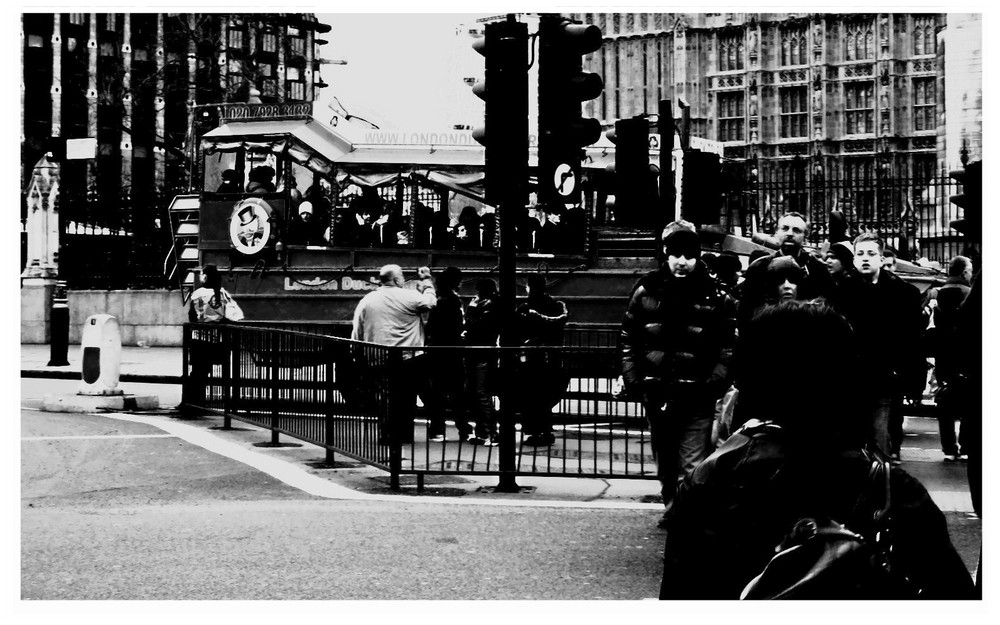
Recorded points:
(299,215)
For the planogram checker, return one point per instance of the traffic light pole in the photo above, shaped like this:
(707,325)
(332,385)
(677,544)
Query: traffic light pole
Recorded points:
(668,194)
(507,145)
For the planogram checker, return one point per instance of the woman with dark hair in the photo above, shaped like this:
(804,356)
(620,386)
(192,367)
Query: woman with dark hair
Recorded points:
(805,459)
(467,231)
(261,180)
(445,325)
(208,303)
(540,321)
(482,328)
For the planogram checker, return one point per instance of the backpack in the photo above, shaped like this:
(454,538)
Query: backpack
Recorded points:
(820,558)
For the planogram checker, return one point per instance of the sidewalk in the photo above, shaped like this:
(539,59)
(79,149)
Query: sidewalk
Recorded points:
(159,369)
(138,364)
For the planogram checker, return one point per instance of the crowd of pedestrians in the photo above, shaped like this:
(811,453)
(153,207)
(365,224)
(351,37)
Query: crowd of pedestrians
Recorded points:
(459,385)
(812,358)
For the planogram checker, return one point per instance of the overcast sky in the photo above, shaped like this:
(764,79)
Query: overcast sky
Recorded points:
(404,70)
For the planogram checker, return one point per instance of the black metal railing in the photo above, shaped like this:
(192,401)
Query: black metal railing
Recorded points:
(910,213)
(383,405)
(113,242)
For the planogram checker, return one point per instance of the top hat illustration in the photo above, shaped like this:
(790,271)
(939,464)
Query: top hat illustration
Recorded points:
(246,215)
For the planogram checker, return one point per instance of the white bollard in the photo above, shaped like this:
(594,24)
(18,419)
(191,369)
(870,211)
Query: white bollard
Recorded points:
(101,345)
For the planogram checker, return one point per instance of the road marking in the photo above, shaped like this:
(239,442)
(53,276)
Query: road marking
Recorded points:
(295,476)
(93,437)
(315,485)
(952,500)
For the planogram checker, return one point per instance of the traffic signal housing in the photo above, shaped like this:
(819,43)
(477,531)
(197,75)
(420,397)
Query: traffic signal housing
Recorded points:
(633,183)
(504,90)
(701,188)
(563,86)
(970,200)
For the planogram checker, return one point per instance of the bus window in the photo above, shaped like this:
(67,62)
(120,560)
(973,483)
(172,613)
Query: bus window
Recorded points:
(221,175)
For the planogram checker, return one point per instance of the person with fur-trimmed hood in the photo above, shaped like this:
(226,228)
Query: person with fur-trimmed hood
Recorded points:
(676,341)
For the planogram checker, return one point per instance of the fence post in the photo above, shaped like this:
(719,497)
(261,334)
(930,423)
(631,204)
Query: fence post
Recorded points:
(328,420)
(394,384)
(185,362)
(237,337)
(227,375)
(508,443)
(273,339)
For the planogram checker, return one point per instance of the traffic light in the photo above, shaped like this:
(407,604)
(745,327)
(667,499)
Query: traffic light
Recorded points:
(665,128)
(701,189)
(505,92)
(631,169)
(970,200)
(563,86)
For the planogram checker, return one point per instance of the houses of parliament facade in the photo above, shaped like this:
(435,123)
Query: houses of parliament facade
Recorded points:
(806,101)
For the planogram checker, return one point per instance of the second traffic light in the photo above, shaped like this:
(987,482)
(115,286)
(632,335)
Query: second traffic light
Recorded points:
(505,130)
(634,182)
(701,187)
(970,200)
(563,86)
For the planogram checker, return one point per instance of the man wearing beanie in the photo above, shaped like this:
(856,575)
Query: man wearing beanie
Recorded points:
(840,259)
(676,341)
(840,263)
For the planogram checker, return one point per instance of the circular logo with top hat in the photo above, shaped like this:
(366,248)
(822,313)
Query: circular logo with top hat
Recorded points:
(250,225)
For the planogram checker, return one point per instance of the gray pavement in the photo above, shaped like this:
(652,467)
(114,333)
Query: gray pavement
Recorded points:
(297,476)
(136,361)
(920,452)
(116,509)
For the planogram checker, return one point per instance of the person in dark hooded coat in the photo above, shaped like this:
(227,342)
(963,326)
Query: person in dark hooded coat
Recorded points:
(676,342)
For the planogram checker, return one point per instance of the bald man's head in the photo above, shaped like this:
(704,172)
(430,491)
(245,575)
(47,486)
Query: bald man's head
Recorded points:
(391,275)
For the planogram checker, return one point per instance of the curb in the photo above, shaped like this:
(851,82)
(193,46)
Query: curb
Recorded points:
(125,377)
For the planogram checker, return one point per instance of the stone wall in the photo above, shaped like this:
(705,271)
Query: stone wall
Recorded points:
(153,317)
(36,308)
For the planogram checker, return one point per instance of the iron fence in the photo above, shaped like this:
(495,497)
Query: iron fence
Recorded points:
(911,213)
(383,405)
(113,242)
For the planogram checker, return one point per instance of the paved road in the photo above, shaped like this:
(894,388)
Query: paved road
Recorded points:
(116,510)
(119,509)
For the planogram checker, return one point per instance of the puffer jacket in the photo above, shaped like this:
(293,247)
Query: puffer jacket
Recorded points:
(676,335)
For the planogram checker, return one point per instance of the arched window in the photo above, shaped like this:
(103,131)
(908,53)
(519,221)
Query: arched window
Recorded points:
(859,40)
(924,41)
(731,53)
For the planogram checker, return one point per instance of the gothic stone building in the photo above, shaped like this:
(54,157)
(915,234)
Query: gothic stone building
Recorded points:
(815,111)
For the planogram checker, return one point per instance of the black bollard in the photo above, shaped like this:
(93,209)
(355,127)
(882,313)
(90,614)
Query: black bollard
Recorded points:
(59,324)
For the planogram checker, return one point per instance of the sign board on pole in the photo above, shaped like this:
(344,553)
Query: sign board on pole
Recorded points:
(81,149)
(703,145)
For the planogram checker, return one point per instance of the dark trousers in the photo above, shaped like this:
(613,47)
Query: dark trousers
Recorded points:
(681,433)
(538,390)
(446,389)
(886,430)
(402,405)
(479,397)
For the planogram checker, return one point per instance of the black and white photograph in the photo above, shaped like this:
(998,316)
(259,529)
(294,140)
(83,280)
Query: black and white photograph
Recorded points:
(500,310)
